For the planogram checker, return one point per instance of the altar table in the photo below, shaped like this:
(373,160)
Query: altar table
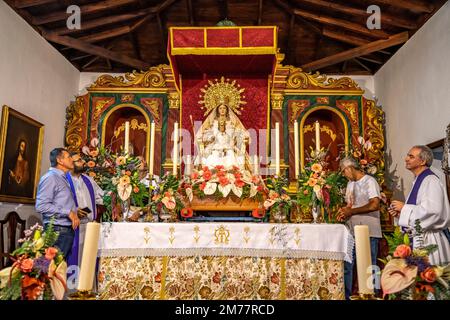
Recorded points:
(222,260)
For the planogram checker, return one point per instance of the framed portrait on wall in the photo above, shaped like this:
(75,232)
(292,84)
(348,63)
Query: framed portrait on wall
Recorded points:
(21,141)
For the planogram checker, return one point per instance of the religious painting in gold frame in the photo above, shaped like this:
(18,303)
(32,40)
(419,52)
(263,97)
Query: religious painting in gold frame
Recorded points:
(20,156)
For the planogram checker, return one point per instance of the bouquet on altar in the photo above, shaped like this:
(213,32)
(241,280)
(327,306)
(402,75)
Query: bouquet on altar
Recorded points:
(166,195)
(318,186)
(278,198)
(220,182)
(38,270)
(408,274)
(99,162)
(360,151)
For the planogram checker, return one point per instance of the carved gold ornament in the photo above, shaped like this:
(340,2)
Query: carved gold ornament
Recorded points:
(127,97)
(298,79)
(297,107)
(74,124)
(374,131)
(153,105)
(174,100)
(153,78)
(323,128)
(99,106)
(350,106)
(277,101)
(134,125)
(222,92)
(222,235)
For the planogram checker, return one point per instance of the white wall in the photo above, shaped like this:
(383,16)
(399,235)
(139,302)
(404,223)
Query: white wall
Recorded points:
(36,80)
(413,88)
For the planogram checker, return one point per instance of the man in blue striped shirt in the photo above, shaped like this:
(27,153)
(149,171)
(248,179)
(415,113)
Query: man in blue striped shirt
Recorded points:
(54,199)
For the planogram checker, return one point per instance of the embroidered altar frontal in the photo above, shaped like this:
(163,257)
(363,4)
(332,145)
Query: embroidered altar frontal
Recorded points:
(222,261)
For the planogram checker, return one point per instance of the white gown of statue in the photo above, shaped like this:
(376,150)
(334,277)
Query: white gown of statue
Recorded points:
(226,148)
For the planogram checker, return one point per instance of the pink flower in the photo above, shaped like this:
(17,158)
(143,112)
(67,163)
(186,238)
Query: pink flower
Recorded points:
(207,175)
(194,175)
(50,253)
(169,202)
(402,251)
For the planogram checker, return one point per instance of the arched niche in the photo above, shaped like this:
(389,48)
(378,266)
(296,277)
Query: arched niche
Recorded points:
(112,128)
(334,133)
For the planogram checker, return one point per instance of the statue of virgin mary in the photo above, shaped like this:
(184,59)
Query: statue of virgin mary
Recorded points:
(222,138)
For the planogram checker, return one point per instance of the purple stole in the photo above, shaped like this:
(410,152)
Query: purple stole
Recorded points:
(72,259)
(412,199)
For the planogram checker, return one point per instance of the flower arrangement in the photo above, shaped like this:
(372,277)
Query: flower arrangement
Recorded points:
(166,196)
(360,151)
(408,273)
(278,200)
(124,186)
(220,182)
(319,187)
(99,162)
(39,269)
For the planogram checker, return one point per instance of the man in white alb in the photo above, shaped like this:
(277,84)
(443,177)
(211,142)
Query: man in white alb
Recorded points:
(428,203)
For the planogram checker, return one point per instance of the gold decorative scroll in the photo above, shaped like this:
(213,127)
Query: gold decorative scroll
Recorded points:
(74,124)
(323,128)
(298,79)
(153,78)
(374,131)
(134,125)
(127,97)
(277,101)
(222,235)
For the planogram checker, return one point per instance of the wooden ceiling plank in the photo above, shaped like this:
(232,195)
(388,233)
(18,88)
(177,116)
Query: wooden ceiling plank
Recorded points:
(20,4)
(94,23)
(357,52)
(191,12)
(411,5)
(96,50)
(362,65)
(84,9)
(107,34)
(386,18)
(347,38)
(260,9)
(342,23)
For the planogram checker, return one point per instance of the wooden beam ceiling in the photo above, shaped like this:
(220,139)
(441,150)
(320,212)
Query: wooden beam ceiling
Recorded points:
(20,4)
(96,50)
(355,27)
(386,18)
(348,38)
(84,9)
(412,5)
(99,22)
(357,52)
(190,12)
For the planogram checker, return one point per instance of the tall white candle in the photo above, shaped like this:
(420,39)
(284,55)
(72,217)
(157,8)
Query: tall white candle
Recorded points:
(87,271)
(188,165)
(363,259)
(255,165)
(296,149)
(152,148)
(277,148)
(175,149)
(317,136)
(127,137)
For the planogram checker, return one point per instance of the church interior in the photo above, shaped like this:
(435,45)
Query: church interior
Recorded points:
(224,150)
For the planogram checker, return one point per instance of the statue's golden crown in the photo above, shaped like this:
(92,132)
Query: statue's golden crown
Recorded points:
(222,92)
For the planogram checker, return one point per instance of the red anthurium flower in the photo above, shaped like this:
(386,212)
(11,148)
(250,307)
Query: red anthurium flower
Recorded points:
(258,213)
(187,212)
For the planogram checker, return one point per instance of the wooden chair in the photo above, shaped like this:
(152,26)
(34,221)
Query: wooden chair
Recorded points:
(10,224)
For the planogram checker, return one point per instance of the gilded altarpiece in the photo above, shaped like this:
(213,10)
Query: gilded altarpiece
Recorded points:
(140,98)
